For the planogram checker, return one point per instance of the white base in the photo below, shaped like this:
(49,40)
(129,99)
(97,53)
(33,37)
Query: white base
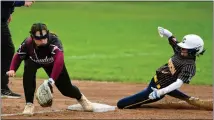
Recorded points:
(97,107)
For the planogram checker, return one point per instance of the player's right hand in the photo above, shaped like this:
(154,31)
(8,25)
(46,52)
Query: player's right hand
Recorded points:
(29,3)
(11,73)
(164,32)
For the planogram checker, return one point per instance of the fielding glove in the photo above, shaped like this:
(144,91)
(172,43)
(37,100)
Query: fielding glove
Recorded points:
(44,93)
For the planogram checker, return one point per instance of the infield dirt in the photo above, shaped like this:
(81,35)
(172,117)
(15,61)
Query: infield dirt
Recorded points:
(109,93)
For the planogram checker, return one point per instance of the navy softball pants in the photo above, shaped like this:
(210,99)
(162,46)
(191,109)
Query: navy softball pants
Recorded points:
(138,99)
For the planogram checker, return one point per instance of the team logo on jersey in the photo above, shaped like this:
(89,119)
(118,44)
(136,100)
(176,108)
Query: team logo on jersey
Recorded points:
(43,61)
(54,48)
(184,40)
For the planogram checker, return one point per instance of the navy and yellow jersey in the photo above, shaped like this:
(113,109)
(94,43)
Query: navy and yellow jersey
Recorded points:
(178,67)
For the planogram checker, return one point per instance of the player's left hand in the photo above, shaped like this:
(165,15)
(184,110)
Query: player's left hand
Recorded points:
(44,93)
(155,94)
(49,83)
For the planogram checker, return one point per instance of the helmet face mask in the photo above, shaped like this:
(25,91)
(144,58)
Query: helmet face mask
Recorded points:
(193,43)
(39,34)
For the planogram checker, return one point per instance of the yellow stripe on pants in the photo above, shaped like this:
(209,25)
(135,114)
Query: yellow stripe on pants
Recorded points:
(156,80)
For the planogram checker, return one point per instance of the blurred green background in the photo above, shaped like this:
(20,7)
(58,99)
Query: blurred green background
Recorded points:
(118,41)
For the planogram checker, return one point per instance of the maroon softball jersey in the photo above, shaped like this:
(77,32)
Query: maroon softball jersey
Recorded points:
(50,54)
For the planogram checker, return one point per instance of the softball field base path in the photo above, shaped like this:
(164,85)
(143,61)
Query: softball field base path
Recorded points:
(108,93)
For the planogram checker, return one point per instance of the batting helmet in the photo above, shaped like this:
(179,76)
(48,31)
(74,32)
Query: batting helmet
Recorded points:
(193,43)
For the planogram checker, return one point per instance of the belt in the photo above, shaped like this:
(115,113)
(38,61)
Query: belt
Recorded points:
(156,80)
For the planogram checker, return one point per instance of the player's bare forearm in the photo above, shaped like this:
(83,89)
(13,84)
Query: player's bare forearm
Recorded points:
(172,40)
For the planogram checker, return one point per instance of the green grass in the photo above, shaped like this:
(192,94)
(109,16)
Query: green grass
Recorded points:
(118,41)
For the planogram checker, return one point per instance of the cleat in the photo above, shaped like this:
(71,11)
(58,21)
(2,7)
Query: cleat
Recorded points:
(9,94)
(29,109)
(86,104)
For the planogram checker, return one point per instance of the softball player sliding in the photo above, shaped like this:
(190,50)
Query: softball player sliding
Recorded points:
(44,50)
(179,70)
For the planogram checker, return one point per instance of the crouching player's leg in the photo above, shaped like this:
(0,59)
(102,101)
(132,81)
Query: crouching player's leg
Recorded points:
(138,99)
(29,83)
(64,85)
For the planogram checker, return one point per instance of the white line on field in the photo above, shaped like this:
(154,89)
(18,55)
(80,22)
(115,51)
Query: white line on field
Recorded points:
(105,56)
(40,112)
